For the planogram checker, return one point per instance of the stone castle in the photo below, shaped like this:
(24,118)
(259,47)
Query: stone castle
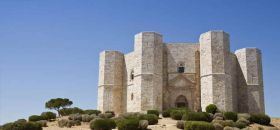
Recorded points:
(159,75)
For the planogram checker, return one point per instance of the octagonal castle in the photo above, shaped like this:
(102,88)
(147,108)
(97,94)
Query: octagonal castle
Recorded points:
(159,75)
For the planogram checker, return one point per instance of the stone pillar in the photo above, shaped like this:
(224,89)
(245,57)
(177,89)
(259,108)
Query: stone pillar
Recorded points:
(149,69)
(110,83)
(216,87)
(250,80)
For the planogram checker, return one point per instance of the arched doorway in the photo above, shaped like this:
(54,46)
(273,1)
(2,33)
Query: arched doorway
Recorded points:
(181,101)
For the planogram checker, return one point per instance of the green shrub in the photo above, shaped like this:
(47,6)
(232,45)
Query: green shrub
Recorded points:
(211,109)
(243,115)
(230,116)
(165,114)
(87,118)
(218,126)
(151,118)
(243,120)
(22,126)
(240,125)
(197,116)
(177,114)
(43,123)
(21,121)
(113,113)
(35,118)
(68,111)
(260,118)
(156,112)
(68,123)
(48,115)
(143,124)
(102,124)
(229,123)
(198,125)
(105,115)
(180,124)
(75,117)
(90,112)
(128,124)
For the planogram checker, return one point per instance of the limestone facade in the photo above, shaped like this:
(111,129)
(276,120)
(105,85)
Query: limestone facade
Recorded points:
(159,75)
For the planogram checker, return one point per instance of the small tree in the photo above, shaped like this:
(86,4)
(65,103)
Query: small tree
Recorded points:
(58,103)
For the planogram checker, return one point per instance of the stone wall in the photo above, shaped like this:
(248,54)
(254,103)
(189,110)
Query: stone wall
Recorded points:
(250,82)
(149,53)
(148,77)
(110,86)
(215,63)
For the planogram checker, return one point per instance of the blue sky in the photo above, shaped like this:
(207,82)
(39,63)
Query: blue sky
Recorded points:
(50,48)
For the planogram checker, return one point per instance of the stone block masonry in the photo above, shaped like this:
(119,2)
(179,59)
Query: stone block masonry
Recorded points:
(159,75)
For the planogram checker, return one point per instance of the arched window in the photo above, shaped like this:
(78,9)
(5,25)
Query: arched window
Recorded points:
(132,96)
(181,68)
(132,75)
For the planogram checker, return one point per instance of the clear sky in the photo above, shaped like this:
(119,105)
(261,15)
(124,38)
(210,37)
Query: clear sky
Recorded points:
(50,48)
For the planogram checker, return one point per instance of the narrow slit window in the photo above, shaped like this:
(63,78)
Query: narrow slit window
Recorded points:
(132,75)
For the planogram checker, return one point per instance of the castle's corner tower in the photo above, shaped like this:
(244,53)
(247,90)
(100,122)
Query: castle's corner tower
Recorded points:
(148,72)
(216,86)
(110,85)
(250,80)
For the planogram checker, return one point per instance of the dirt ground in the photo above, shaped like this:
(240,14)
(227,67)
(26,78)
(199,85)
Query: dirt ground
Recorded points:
(164,124)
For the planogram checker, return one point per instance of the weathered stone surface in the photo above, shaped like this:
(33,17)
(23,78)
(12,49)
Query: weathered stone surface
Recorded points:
(158,75)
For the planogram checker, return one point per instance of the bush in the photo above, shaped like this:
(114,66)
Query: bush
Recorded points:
(68,111)
(48,115)
(105,115)
(90,112)
(102,124)
(243,115)
(230,116)
(75,117)
(260,118)
(128,124)
(240,125)
(62,123)
(68,123)
(211,109)
(155,112)
(180,124)
(224,122)
(21,121)
(218,126)
(165,114)
(242,120)
(197,116)
(143,124)
(35,118)
(198,125)
(43,123)
(22,126)
(87,118)
(177,114)
(113,113)
(151,118)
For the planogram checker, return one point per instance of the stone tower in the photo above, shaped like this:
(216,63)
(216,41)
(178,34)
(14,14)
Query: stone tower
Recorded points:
(148,70)
(160,75)
(251,93)
(216,86)
(110,85)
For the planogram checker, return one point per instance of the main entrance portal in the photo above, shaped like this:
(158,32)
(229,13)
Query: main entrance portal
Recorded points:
(181,101)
